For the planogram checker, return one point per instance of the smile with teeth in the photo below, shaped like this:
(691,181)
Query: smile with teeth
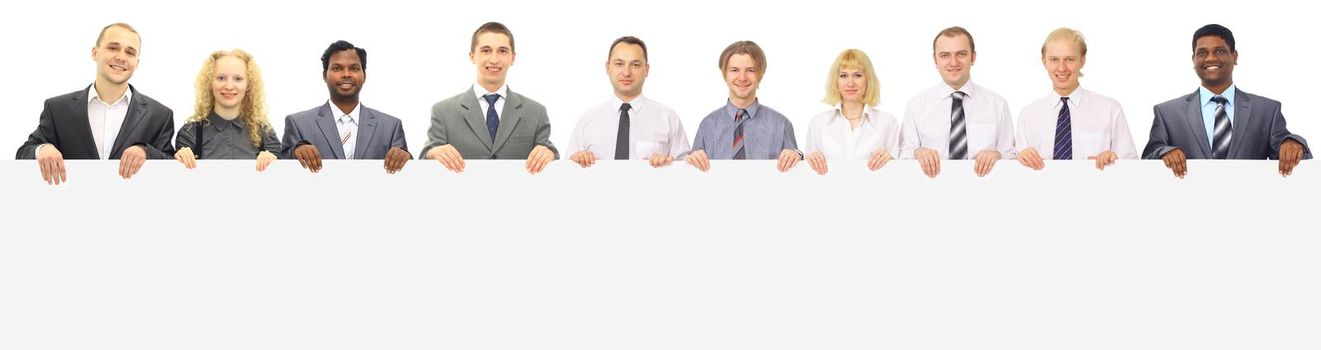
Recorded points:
(118,67)
(493,69)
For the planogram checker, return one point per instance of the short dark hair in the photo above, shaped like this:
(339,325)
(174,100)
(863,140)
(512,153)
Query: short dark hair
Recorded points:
(1215,30)
(953,32)
(492,27)
(341,46)
(628,40)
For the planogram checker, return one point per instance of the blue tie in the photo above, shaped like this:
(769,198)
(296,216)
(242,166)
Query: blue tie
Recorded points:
(492,119)
(1064,132)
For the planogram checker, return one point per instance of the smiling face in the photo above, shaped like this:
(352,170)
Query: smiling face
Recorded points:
(1214,62)
(741,77)
(627,69)
(492,55)
(229,85)
(1063,60)
(954,58)
(852,85)
(345,75)
(116,56)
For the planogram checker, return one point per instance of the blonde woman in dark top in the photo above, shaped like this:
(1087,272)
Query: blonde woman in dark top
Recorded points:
(229,121)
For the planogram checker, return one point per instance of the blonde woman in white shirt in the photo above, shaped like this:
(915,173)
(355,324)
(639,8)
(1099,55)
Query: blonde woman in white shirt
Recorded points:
(853,130)
(1071,122)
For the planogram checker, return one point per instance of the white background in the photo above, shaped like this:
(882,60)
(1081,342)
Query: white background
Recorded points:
(1140,52)
(622,257)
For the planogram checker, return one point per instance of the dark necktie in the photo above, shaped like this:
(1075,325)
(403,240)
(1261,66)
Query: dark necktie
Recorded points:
(492,119)
(1223,130)
(621,138)
(958,135)
(1064,132)
(738,134)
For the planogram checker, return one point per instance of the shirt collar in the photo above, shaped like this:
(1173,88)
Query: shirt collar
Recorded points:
(968,88)
(634,106)
(93,97)
(220,123)
(1206,95)
(357,110)
(1075,98)
(730,109)
(481,92)
(868,115)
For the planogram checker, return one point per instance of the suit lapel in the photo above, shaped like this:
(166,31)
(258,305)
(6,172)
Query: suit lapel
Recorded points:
(509,118)
(325,120)
(476,118)
(1193,115)
(366,129)
(1242,118)
(79,112)
(137,108)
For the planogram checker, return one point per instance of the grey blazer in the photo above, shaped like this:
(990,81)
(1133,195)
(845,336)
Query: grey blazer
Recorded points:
(64,124)
(1258,129)
(377,133)
(460,121)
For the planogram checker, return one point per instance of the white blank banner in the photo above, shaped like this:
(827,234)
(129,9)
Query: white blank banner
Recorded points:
(622,256)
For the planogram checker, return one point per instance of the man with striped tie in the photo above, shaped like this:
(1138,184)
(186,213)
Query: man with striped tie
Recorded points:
(343,128)
(1218,121)
(744,128)
(956,119)
(1071,122)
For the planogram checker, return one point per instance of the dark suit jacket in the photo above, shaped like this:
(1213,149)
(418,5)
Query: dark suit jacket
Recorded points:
(64,124)
(460,121)
(1258,129)
(377,133)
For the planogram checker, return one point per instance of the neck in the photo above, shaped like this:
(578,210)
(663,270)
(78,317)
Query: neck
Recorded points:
(226,113)
(1218,88)
(851,110)
(345,105)
(1066,91)
(109,92)
(742,103)
(626,98)
(491,87)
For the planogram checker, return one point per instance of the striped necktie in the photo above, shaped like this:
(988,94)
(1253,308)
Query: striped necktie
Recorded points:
(1064,132)
(1223,130)
(738,134)
(958,135)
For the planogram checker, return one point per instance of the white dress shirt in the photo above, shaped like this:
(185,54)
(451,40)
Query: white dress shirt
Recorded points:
(1097,123)
(347,126)
(481,93)
(653,128)
(106,119)
(831,134)
(986,121)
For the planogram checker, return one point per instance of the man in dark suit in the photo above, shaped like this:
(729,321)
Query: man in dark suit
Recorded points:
(488,121)
(108,120)
(1218,121)
(344,128)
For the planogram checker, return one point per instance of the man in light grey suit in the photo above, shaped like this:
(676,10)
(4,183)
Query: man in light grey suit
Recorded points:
(1218,121)
(489,121)
(344,128)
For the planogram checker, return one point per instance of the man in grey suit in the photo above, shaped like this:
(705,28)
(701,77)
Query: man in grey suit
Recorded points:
(489,121)
(1218,121)
(108,120)
(344,128)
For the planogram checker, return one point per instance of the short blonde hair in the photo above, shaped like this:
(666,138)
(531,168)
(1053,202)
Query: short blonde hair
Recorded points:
(1066,34)
(745,47)
(125,26)
(253,109)
(852,59)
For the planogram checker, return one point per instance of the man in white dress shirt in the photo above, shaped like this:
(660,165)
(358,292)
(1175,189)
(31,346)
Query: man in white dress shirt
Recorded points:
(956,119)
(628,126)
(1071,123)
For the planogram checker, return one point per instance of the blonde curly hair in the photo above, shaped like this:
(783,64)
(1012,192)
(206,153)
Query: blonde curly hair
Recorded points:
(253,109)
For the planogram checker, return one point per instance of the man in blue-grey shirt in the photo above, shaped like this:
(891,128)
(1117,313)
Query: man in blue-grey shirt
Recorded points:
(744,128)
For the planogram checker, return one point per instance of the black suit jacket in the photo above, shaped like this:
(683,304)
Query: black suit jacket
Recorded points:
(64,124)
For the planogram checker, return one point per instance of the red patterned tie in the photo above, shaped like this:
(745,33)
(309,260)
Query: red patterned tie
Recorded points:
(738,134)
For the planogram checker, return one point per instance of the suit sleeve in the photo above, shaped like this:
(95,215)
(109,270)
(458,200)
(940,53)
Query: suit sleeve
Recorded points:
(162,146)
(543,134)
(397,137)
(1158,144)
(44,134)
(1279,133)
(291,138)
(436,134)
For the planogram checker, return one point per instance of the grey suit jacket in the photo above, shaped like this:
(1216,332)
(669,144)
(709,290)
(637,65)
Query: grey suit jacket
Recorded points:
(460,121)
(377,133)
(64,124)
(1258,129)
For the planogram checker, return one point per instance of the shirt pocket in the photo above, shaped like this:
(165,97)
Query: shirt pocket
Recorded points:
(645,149)
(981,136)
(1087,144)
